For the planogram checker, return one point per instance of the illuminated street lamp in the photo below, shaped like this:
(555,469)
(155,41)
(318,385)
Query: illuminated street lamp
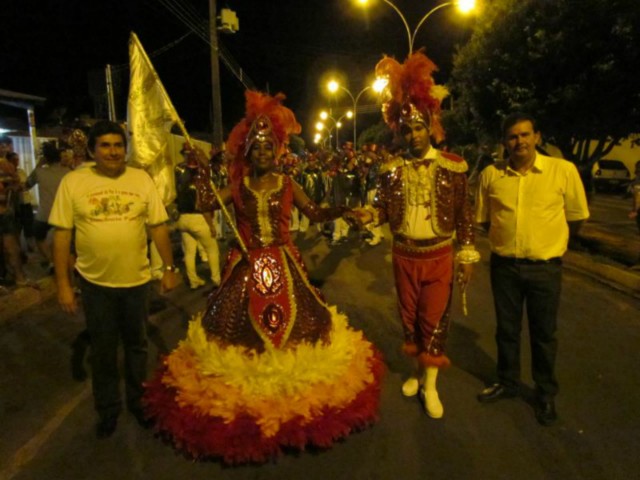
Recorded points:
(324,115)
(333,86)
(320,127)
(464,6)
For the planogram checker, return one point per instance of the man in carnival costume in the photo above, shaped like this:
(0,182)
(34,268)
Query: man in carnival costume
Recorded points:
(270,365)
(423,197)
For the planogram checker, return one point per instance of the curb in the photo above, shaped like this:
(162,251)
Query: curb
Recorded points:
(613,275)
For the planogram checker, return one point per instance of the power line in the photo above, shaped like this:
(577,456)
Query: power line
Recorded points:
(187,15)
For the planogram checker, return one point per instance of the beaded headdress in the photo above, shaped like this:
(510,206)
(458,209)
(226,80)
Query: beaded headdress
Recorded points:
(411,93)
(266,119)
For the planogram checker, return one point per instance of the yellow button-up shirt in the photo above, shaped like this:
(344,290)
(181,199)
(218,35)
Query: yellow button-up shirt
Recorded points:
(529,212)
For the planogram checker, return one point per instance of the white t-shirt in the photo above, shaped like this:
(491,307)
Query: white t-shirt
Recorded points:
(110,216)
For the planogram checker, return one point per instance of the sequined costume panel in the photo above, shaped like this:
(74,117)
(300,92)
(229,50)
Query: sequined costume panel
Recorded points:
(262,222)
(227,317)
(449,202)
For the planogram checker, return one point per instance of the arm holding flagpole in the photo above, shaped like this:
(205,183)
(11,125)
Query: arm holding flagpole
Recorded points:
(139,60)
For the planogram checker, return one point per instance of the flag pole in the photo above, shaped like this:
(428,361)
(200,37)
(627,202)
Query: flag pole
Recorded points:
(134,38)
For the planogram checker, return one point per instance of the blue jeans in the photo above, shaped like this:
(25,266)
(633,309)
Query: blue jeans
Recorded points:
(114,314)
(538,286)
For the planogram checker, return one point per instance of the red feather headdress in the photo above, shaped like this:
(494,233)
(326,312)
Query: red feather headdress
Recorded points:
(265,116)
(411,93)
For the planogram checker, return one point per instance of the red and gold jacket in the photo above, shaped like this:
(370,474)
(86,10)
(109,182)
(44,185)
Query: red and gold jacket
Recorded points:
(451,211)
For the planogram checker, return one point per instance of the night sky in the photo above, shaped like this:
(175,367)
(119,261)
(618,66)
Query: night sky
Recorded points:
(51,49)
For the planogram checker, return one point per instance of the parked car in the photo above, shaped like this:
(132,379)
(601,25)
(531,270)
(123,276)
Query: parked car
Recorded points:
(609,174)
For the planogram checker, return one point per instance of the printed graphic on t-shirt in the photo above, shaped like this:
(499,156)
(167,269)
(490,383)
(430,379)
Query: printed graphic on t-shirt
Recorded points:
(113,205)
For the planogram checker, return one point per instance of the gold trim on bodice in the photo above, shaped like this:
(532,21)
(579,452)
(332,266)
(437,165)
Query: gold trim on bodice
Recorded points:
(265,227)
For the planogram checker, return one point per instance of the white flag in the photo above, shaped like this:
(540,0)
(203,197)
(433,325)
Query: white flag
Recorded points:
(150,116)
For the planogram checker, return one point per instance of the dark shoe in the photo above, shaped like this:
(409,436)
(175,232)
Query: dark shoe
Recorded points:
(496,392)
(546,412)
(142,420)
(106,426)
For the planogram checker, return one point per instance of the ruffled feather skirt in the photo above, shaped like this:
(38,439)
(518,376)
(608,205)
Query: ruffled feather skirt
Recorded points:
(214,400)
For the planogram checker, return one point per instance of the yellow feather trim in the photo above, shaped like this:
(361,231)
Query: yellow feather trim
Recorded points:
(274,386)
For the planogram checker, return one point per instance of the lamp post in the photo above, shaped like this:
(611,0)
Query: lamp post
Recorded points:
(324,115)
(320,126)
(464,6)
(377,87)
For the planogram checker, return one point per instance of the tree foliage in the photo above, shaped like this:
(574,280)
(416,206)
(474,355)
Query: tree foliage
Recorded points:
(297,144)
(378,133)
(570,63)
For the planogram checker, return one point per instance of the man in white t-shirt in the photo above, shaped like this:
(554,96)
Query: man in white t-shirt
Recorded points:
(110,205)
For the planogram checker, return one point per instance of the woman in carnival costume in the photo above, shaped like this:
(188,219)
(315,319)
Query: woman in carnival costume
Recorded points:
(269,365)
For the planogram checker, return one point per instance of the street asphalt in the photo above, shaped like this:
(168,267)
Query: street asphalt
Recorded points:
(48,421)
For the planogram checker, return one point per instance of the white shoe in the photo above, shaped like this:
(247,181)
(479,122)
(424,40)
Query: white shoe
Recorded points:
(410,387)
(432,404)
(197,284)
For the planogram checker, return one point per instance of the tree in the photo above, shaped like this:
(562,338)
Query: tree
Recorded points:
(296,144)
(570,63)
(378,133)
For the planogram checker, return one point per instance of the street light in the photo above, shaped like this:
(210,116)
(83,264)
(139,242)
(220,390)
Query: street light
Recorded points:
(320,126)
(464,6)
(317,138)
(324,115)
(333,86)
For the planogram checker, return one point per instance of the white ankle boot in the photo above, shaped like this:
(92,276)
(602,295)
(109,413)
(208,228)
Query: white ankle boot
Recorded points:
(432,404)
(410,387)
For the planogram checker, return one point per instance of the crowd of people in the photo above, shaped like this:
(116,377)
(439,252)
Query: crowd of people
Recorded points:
(269,365)
(22,231)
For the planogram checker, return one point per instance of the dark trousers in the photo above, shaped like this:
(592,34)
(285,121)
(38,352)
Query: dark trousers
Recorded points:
(115,314)
(536,285)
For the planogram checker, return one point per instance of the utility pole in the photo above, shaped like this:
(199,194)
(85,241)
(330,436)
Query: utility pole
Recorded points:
(110,96)
(216,97)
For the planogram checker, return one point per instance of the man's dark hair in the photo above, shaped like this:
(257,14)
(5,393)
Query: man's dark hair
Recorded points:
(50,152)
(104,127)
(11,155)
(517,117)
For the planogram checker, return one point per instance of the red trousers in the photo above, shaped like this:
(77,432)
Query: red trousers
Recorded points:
(423,284)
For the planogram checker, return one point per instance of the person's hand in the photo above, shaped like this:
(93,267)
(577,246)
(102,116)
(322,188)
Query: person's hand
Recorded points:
(67,299)
(358,217)
(199,155)
(463,276)
(633,214)
(351,218)
(169,281)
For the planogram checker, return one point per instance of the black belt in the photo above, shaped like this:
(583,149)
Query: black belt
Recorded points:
(525,261)
(425,242)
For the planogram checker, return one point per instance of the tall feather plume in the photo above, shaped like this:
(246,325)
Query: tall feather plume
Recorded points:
(412,82)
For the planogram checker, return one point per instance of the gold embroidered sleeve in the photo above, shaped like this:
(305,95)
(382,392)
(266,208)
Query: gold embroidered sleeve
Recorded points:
(384,192)
(206,199)
(463,213)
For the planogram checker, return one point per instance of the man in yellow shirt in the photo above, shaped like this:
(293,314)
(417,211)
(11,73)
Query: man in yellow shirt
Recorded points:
(530,204)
